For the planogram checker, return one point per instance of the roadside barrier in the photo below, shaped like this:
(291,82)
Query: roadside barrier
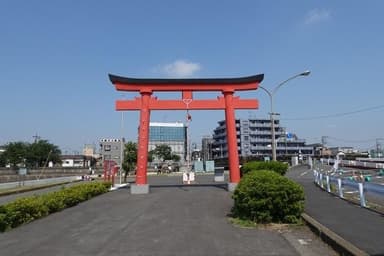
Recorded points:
(325,182)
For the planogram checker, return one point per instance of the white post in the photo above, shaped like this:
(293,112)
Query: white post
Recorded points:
(321,180)
(328,185)
(310,162)
(362,198)
(317,177)
(340,188)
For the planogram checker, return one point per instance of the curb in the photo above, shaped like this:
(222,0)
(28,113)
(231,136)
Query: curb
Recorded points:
(341,245)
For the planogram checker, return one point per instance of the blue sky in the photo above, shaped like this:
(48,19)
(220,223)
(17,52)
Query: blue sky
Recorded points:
(55,57)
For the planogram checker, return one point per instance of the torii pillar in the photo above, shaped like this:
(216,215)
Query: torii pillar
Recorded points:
(145,103)
(142,152)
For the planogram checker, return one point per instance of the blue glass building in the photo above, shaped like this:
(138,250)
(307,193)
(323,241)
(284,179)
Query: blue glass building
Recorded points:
(171,134)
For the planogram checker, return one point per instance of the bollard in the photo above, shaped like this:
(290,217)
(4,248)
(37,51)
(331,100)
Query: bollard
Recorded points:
(315,176)
(328,185)
(318,178)
(321,180)
(362,198)
(340,188)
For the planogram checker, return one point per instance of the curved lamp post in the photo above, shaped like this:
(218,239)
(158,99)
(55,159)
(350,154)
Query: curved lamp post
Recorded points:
(271,94)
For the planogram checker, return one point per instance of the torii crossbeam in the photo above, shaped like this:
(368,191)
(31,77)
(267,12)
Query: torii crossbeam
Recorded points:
(145,103)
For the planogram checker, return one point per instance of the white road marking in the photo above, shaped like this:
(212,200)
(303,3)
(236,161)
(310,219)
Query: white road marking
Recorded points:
(304,241)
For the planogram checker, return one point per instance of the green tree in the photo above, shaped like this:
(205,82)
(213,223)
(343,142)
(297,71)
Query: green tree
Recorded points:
(37,154)
(130,158)
(163,152)
(15,153)
(42,152)
(3,161)
(150,156)
(175,158)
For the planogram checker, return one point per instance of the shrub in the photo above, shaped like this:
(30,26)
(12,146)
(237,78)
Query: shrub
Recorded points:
(3,219)
(24,210)
(264,196)
(54,201)
(278,167)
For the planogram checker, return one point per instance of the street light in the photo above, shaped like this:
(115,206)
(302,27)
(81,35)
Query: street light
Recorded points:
(271,94)
(121,145)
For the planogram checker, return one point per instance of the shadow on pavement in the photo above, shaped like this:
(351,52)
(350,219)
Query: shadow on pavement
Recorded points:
(220,186)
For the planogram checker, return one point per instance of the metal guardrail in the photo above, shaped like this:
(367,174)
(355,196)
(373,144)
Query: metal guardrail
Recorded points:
(325,181)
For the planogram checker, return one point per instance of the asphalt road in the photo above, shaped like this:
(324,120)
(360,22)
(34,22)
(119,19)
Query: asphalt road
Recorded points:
(361,227)
(171,220)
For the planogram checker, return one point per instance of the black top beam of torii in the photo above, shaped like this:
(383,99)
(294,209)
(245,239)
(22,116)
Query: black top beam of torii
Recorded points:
(188,84)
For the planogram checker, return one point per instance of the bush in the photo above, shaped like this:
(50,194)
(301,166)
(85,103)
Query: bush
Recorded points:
(24,210)
(54,201)
(264,196)
(278,167)
(3,219)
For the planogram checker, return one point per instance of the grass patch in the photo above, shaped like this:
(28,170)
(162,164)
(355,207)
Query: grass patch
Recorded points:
(242,223)
(269,226)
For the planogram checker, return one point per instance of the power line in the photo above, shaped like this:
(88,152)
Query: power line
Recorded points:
(337,114)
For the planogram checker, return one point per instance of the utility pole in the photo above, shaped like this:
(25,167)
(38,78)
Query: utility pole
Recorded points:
(121,146)
(36,138)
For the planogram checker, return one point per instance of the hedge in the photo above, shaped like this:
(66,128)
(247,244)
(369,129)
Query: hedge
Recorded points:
(27,209)
(278,167)
(264,196)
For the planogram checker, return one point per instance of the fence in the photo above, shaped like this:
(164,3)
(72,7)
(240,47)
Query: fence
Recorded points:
(326,182)
(354,163)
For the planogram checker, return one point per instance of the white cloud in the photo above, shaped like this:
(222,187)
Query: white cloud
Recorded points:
(180,68)
(317,16)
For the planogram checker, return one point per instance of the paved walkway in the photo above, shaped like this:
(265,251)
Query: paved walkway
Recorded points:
(359,226)
(171,220)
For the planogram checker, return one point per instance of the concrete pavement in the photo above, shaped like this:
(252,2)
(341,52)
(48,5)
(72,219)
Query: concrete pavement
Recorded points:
(171,220)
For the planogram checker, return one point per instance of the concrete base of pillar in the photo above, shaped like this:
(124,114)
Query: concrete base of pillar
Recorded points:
(232,186)
(219,174)
(219,178)
(139,189)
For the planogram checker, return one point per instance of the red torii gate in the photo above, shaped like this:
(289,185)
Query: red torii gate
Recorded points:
(145,103)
